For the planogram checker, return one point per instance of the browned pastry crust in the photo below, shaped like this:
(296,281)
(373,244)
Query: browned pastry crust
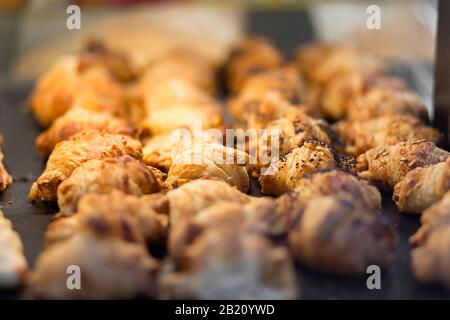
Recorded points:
(210,161)
(284,173)
(70,154)
(225,239)
(77,120)
(253,55)
(123,173)
(328,183)
(388,165)
(323,62)
(342,90)
(116,62)
(164,120)
(173,91)
(363,135)
(433,218)
(293,130)
(340,235)
(422,187)
(382,102)
(74,78)
(160,149)
(266,96)
(5,178)
(430,260)
(185,201)
(111,215)
(13,265)
(182,64)
(110,269)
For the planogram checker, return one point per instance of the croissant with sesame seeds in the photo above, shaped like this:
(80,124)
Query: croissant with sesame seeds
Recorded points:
(284,173)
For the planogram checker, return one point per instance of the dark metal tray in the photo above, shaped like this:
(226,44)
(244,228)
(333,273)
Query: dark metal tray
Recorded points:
(19,130)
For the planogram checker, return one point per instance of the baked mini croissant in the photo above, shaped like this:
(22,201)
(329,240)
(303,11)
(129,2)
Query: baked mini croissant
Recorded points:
(70,154)
(160,149)
(430,260)
(265,97)
(123,173)
(251,56)
(73,78)
(339,234)
(433,218)
(77,120)
(321,63)
(13,265)
(382,102)
(225,240)
(292,131)
(182,64)
(110,269)
(284,173)
(210,161)
(5,178)
(185,201)
(341,91)
(388,165)
(116,215)
(328,183)
(361,136)
(422,187)
(187,115)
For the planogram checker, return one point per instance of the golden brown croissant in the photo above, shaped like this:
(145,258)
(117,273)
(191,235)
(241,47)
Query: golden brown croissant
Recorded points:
(253,55)
(110,269)
(173,91)
(185,201)
(292,131)
(341,91)
(70,154)
(5,178)
(210,161)
(115,214)
(13,265)
(340,235)
(322,62)
(77,120)
(284,173)
(386,166)
(116,62)
(123,173)
(422,187)
(186,115)
(160,149)
(266,96)
(382,102)
(430,261)
(226,239)
(367,134)
(435,217)
(72,78)
(182,64)
(328,183)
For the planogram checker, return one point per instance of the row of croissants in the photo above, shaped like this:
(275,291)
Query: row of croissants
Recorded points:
(144,212)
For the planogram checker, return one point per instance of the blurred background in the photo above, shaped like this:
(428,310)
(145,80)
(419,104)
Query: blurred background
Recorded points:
(33,33)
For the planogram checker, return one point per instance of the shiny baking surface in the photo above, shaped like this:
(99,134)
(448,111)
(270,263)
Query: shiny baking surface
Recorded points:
(30,220)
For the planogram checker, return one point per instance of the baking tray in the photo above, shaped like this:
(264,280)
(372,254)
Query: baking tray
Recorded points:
(30,220)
